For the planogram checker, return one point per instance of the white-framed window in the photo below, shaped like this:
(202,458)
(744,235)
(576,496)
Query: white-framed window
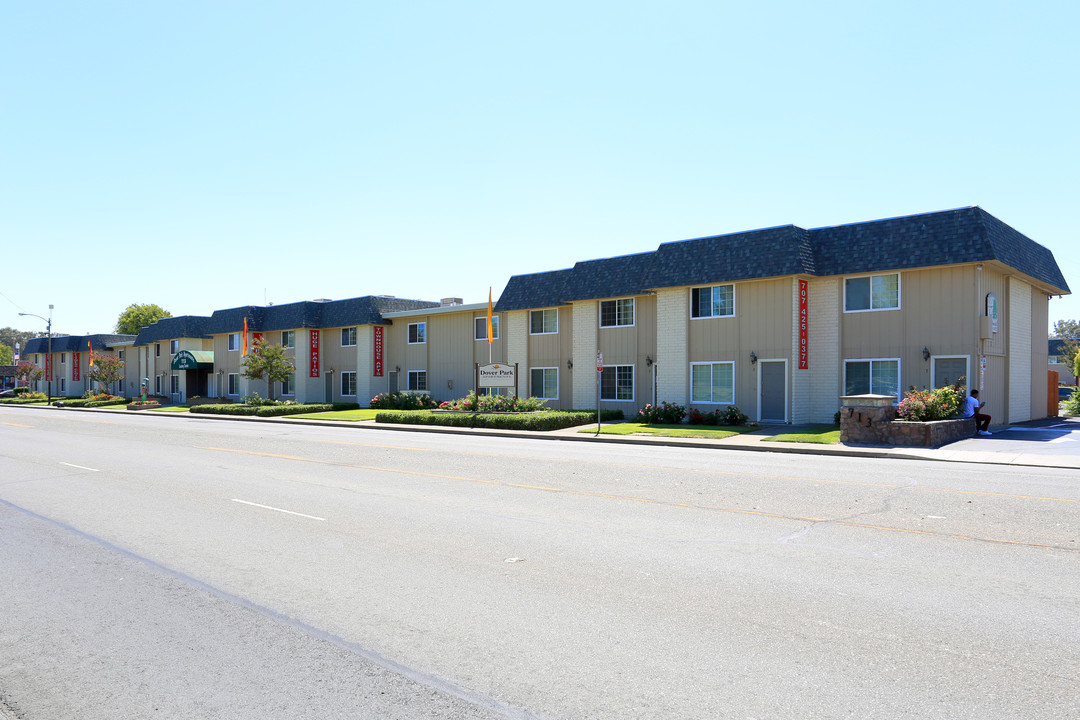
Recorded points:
(872,292)
(417,333)
(418,380)
(877,376)
(174,384)
(157,349)
(157,384)
(288,338)
(63,385)
(63,358)
(234,383)
(544,383)
(174,347)
(348,337)
(712,382)
(714,301)
(480,327)
(288,385)
(617,382)
(544,322)
(617,313)
(948,370)
(348,382)
(120,354)
(234,341)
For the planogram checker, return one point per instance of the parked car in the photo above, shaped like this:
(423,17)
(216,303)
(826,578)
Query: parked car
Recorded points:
(10,392)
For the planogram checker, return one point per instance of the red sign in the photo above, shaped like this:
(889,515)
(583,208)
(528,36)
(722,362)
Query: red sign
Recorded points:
(75,376)
(599,362)
(804,323)
(377,346)
(314,353)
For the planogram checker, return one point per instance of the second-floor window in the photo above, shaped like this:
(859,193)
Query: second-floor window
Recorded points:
(617,313)
(715,301)
(348,338)
(480,328)
(288,338)
(174,346)
(417,333)
(872,292)
(544,322)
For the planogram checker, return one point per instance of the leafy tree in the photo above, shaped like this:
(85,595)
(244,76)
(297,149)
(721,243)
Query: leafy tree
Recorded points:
(7,355)
(28,372)
(1070,352)
(269,362)
(1066,329)
(9,336)
(106,370)
(136,317)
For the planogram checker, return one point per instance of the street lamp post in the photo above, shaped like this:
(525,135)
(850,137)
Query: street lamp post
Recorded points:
(48,332)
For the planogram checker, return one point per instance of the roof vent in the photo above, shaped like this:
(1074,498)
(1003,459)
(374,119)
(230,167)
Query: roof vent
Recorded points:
(449,302)
(322,300)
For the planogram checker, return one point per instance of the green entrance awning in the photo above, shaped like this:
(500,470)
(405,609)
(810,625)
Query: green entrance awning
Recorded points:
(193,360)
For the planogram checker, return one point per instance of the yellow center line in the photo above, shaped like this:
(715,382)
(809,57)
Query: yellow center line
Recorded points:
(16,425)
(631,498)
(730,473)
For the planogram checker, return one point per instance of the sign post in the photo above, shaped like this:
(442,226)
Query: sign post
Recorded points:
(599,379)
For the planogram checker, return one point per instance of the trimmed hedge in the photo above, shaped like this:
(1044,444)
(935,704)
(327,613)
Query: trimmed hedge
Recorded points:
(85,403)
(270,410)
(535,421)
(21,401)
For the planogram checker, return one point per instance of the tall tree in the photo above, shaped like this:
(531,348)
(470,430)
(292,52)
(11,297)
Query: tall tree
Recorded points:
(9,336)
(28,372)
(136,316)
(1066,329)
(269,362)
(7,355)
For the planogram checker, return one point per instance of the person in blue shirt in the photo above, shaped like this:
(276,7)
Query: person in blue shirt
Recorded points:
(971,408)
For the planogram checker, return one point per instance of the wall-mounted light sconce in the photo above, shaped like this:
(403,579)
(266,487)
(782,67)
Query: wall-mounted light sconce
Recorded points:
(648,360)
(753,357)
(397,368)
(926,353)
(449,384)
(570,364)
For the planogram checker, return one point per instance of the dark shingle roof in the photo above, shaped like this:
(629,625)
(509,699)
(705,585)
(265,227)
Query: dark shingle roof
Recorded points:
(171,328)
(536,290)
(771,252)
(75,343)
(365,310)
(1057,345)
(949,237)
(610,277)
(964,235)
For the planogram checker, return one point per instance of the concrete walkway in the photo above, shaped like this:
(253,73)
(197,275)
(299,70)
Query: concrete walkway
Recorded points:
(1054,442)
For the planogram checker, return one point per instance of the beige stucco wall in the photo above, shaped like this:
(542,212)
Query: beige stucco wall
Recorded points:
(1019,351)
(1040,319)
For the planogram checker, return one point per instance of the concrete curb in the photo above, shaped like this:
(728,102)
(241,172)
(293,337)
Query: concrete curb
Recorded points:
(861,451)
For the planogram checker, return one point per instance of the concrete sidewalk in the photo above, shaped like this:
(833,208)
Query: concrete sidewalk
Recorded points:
(1054,442)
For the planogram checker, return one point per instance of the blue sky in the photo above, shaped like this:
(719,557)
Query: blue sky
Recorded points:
(209,155)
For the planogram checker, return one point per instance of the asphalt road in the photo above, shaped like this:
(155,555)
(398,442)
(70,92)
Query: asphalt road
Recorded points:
(164,567)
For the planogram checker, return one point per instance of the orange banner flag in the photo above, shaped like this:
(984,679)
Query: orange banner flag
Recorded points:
(90,351)
(245,337)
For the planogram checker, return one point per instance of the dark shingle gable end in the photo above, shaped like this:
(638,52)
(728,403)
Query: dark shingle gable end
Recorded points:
(609,277)
(184,326)
(365,310)
(1015,249)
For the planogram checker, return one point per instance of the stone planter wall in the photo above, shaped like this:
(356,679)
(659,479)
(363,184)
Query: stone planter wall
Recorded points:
(871,419)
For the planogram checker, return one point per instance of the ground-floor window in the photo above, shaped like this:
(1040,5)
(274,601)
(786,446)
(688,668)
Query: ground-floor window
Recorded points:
(712,382)
(949,370)
(174,384)
(234,383)
(877,377)
(617,382)
(418,380)
(63,385)
(348,383)
(288,385)
(157,384)
(544,383)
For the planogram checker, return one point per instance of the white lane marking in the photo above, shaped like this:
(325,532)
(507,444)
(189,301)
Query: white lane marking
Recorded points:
(80,467)
(288,512)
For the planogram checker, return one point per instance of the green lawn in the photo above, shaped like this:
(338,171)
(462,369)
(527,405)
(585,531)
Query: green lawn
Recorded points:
(170,408)
(715,432)
(819,434)
(348,415)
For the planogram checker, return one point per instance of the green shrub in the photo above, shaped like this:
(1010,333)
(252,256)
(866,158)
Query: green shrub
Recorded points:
(92,401)
(402,401)
(665,414)
(1071,404)
(536,421)
(239,409)
(494,403)
(929,405)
